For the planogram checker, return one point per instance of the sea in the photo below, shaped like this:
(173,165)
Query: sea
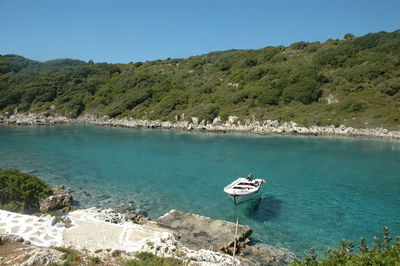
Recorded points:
(319,190)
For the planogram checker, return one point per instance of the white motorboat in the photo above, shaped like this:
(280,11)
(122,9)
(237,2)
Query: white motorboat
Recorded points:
(243,189)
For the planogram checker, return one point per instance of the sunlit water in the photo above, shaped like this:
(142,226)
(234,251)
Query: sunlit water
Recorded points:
(318,190)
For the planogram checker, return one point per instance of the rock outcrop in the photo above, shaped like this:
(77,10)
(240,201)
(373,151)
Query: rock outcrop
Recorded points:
(170,246)
(268,255)
(33,119)
(123,214)
(59,201)
(17,251)
(9,238)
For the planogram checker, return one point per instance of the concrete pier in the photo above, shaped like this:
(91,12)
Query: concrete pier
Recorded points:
(200,232)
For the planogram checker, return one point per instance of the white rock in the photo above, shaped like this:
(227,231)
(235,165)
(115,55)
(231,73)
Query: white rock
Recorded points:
(217,121)
(232,119)
(274,123)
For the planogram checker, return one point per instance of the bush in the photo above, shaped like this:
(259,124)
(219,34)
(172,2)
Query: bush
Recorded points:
(299,45)
(224,114)
(224,66)
(116,253)
(392,88)
(21,192)
(269,96)
(146,258)
(95,260)
(352,106)
(303,93)
(206,111)
(348,36)
(69,256)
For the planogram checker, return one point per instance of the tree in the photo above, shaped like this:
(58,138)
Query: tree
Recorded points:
(348,36)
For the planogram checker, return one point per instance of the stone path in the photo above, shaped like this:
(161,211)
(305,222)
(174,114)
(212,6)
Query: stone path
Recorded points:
(39,231)
(91,233)
(87,231)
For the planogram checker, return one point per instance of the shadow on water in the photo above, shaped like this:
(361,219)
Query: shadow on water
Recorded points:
(264,209)
(267,208)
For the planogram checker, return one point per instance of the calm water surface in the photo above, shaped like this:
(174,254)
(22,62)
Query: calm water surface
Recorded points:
(318,191)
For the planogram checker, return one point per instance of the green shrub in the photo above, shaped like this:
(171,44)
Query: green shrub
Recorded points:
(69,256)
(146,258)
(392,87)
(269,96)
(95,260)
(299,45)
(352,106)
(116,253)
(21,192)
(303,93)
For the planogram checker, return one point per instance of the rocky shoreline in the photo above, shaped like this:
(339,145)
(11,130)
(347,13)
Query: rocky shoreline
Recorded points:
(232,125)
(19,247)
(98,234)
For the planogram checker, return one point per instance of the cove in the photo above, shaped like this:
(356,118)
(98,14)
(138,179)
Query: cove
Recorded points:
(318,190)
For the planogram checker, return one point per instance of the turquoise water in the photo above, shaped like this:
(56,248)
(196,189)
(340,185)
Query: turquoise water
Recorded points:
(318,191)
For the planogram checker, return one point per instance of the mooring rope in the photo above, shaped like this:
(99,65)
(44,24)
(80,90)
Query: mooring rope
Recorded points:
(215,204)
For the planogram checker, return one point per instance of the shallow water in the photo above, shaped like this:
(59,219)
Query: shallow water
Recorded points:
(318,191)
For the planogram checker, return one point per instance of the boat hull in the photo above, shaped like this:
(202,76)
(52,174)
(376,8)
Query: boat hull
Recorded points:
(237,199)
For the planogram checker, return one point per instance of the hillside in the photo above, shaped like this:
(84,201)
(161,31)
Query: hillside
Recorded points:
(354,81)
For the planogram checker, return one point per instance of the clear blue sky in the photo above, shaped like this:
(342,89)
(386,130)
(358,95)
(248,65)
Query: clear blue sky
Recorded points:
(124,31)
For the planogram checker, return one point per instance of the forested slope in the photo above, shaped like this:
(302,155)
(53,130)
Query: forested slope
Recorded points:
(354,81)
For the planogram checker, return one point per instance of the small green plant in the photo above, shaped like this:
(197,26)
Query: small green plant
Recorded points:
(146,258)
(180,253)
(69,256)
(95,260)
(150,244)
(116,253)
(98,251)
(363,246)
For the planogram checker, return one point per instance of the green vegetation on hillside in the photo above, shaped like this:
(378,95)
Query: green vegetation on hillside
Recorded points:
(21,192)
(358,76)
(381,252)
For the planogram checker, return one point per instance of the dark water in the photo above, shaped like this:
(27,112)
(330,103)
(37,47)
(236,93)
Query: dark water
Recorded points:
(318,191)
